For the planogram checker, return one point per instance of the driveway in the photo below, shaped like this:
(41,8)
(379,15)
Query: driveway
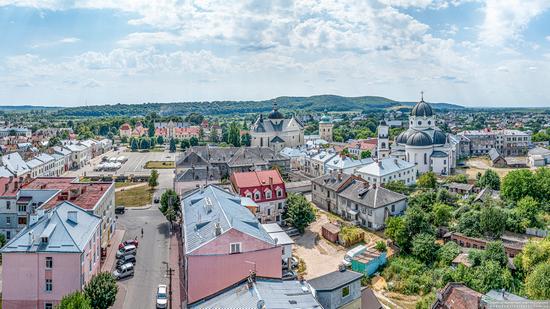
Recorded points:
(320,256)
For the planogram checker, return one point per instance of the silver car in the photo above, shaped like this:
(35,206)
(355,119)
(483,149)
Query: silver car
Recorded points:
(162,299)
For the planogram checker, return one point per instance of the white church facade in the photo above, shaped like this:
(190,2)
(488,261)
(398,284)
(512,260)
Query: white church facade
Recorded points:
(422,144)
(277,132)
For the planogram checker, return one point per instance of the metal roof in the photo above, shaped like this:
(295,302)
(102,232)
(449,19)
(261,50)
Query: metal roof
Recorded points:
(204,208)
(334,280)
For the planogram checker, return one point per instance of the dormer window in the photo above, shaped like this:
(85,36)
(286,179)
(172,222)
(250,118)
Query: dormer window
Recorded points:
(257,195)
(268,194)
(44,240)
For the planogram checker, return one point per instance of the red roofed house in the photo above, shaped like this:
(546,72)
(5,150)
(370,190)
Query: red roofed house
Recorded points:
(125,130)
(266,188)
(97,198)
(178,133)
(358,146)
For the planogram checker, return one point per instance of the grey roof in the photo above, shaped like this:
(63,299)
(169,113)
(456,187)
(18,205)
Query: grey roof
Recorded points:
(422,109)
(385,166)
(494,154)
(439,154)
(494,295)
(439,137)
(61,150)
(460,186)
(360,193)
(419,138)
(15,164)
(332,181)
(204,208)
(233,156)
(277,139)
(63,235)
(334,280)
(274,294)
(274,125)
(4,172)
(34,163)
(402,137)
(539,151)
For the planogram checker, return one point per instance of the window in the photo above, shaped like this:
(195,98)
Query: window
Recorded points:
(268,194)
(235,247)
(22,208)
(369,212)
(48,306)
(49,285)
(280,206)
(8,220)
(425,158)
(392,208)
(8,205)
(279,192)
(419,123)
(345,291)
(257,195)
(269,212)
(22,220)
(49,262)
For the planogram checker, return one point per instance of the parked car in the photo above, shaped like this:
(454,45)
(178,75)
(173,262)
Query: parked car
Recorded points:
(352,253)
(162,299)
(124,271)
(128,242)
(125,259)
(289,275)
(120,210)
(293,263)
(129,249)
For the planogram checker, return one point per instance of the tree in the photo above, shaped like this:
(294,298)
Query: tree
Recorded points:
(441,214)
(2,240)
(528,209)
(468,224)
(494,251)
(170,205)
(518,184)
(397,186)
(534,253)
(151,130)
(366,154)
(299,212)
(153,179)
(458,178)
(194,118)
(160,140)
(144,143)
(447,253)
(427,181)
(492,221)
(246,139)
(124,139)
(201,134)
(537,283)
(214,137)
(172,145)
(491,276)
(381,246)
(76,300)
(489,179)
(234,137)
(193,141)
(134,144)
(54,141)
(185,144)
(424,247)
(397,231)
(101,290)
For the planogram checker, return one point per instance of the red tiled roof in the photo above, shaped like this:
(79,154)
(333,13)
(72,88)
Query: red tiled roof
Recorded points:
(11,191)
(84,195)
(256,179)
(125,126)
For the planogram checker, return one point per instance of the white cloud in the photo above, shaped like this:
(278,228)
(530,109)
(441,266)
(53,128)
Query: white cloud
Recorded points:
(506,19)
(69,40)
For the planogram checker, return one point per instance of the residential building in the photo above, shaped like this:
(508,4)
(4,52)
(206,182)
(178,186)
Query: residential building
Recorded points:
(223,243)
(214,163)
(508,142)
(277,132)
(369,205)
(356,147)
(389,169)
(345,164)
(179,130)
(51,258)
(80,155)
(15,131)
(538,156)
(67,157)
(16,165)
(263,293)
(424,144)
(497,160)
(281,238)
(296,156)
(457,295)
(338,289)
(97,198)
(125,130)
(325,189)
(459,188)
(316,165)
(267,189)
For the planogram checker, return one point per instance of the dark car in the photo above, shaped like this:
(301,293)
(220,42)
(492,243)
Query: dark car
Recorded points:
(120,210)
(130,258)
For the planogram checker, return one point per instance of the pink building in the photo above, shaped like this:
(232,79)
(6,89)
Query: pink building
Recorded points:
(54,256)
(224,242)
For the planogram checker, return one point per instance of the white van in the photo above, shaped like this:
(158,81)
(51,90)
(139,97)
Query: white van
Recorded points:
(124,271)
(352,253)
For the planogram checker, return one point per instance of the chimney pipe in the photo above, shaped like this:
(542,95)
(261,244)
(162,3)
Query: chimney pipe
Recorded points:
(218,229)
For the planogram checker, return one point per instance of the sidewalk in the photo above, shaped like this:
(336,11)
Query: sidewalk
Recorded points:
(109,262)
(178,289)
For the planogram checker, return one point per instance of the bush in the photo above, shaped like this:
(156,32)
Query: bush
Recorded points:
(350,235)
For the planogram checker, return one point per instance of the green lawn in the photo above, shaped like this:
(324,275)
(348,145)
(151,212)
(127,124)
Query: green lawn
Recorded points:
(134,197)
(160,164)
(122,184)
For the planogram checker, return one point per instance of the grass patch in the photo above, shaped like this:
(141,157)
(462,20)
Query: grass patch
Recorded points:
(122,184)
(160,164)
(134,197)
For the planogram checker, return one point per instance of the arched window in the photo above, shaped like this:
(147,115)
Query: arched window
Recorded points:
(425,158)
(279,192)
(419,123)
(248,194)
(257,195)
(383,145)
(429,122)
(268,194)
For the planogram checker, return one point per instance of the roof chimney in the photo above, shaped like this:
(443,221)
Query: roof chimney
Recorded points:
(218,229)
(72,216)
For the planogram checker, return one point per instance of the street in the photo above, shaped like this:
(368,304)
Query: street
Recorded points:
(139,291)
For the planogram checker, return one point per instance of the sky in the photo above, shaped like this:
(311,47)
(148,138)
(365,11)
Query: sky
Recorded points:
(89,52)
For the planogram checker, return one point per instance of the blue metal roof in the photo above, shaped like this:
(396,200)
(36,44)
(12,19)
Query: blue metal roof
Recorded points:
(204,208)
(63,234)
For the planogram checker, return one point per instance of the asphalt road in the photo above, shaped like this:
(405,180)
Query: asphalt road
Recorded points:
(150,270)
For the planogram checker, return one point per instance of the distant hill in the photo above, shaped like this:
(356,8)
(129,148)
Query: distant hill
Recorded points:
(26,108)
(313,103)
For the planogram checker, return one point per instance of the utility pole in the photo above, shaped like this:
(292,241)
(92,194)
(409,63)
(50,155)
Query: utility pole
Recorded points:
(170,271)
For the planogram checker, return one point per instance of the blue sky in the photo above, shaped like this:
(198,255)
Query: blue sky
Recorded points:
(469,52)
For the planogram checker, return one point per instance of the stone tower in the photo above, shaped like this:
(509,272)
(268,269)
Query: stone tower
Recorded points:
(325,128)
(383,148)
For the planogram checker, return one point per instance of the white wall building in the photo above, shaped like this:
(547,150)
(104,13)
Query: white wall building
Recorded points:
(389,169)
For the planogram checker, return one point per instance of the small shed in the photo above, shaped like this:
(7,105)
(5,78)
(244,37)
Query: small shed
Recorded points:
(330,232)
(368,262)
(497,160)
